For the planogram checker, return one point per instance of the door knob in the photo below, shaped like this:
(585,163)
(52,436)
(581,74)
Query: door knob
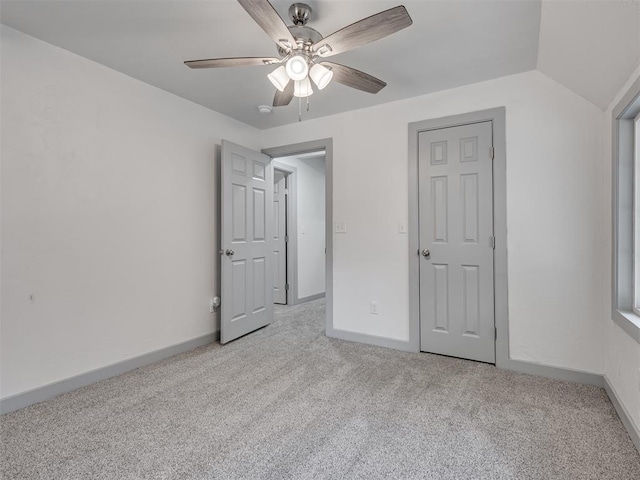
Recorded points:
(425,252)
(229,252)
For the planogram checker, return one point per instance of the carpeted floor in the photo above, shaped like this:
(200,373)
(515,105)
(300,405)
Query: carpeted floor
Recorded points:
(287,402)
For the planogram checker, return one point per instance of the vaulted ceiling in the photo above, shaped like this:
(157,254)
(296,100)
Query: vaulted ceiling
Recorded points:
(589,46)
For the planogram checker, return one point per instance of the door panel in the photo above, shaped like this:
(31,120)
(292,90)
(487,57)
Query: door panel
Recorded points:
(279,237)
(259,284)
(247,291)
(456,226)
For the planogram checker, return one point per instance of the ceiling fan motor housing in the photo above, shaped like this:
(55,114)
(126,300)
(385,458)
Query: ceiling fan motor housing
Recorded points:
(305,38)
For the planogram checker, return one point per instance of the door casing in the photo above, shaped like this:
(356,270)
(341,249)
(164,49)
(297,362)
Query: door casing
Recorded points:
(498,118)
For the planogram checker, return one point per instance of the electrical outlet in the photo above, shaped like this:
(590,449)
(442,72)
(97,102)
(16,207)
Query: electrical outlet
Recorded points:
(216,302)
(341,227)
(213,304)
(375,308)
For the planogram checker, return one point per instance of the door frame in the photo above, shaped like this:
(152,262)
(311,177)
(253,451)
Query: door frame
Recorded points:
(292,226)
(501,311)
(325,144)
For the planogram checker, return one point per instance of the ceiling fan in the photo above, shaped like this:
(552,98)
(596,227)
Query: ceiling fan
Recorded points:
(302,50)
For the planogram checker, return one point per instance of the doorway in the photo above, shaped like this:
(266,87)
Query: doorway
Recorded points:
(457,227)
(309,179)
(300,217)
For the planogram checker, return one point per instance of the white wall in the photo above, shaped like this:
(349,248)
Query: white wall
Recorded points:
(108,214)
(622,353)
(311,223)
(553,189)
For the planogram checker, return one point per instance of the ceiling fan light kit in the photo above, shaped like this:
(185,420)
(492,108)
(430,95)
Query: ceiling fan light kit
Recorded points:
(302,50)
(320,75)
(279,78)
(302,88)
(297,67)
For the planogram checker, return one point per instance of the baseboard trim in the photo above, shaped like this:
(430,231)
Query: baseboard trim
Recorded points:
(310,298)
(632,429)
(367,339)
(39,394)
(557,373)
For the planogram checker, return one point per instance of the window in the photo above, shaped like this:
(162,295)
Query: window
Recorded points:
(626,212)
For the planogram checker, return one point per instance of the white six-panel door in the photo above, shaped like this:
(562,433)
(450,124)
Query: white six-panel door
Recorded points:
(279,237)
(456,242)
(246,264)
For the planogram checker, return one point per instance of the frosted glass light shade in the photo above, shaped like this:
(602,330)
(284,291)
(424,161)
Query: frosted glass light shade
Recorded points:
(302,88)
(297,67)
(279,78)
(320,75)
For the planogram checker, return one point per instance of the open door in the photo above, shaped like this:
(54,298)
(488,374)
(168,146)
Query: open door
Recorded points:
(279,237)
(247,209)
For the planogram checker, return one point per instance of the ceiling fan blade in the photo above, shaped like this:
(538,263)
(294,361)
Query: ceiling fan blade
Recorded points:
(364,31)
(232,62)
(282,99)
(266,16)
(355,78)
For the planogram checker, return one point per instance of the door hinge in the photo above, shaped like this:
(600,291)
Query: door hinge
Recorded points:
(286,191)
(286,286)
(493,242)
(286,238)
(495,331)
(491,152)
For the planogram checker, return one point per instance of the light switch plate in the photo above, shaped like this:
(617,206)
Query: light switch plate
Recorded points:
(341,227)
(402,227)
(375,308)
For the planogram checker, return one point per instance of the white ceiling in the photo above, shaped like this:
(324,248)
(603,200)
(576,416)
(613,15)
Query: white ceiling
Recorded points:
(590,47)
(451,43)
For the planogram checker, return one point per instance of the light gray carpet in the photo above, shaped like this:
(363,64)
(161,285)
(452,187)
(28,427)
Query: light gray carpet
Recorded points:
(287,402)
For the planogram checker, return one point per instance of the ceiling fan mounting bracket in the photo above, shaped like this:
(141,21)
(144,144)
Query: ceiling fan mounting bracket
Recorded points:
(300,13)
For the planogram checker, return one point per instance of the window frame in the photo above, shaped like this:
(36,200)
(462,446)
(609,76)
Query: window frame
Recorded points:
(636,215)
(623,299)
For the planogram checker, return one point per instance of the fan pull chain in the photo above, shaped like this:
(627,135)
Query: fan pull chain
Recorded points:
(300,107)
